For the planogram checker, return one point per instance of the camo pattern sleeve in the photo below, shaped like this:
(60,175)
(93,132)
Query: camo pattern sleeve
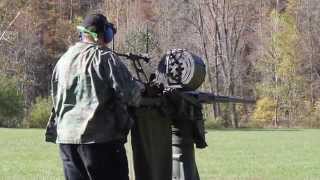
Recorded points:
(125,87)
(91,89)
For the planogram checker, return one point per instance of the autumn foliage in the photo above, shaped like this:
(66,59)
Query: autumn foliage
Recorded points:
(262,49)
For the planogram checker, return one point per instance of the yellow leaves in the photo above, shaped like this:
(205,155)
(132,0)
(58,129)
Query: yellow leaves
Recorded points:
(292,6)
(286,68)
(77,20)
(284,40)
(317,106)
(265,110)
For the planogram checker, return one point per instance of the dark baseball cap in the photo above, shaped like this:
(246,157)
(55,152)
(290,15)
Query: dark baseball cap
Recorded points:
(95,23)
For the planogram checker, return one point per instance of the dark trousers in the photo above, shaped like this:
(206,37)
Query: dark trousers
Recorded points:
(105,161)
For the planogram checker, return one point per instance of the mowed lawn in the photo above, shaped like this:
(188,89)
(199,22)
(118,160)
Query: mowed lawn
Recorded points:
(247,154)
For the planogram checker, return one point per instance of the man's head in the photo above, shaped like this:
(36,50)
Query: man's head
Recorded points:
(96,28)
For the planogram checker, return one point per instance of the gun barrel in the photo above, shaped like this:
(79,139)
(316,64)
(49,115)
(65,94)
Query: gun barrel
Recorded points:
(131,56)
(209,98)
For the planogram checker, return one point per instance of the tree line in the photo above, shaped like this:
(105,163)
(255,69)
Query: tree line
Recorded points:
(266,49)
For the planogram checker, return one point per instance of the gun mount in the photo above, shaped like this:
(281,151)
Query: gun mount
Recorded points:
(170,120)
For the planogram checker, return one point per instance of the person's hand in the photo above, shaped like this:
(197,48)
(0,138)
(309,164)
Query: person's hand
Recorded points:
(153,90)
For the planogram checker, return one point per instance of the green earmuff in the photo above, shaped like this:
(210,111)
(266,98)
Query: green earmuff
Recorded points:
(84,30)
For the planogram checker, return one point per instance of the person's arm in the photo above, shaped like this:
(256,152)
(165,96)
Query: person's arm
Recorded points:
(124,85)
(51,128)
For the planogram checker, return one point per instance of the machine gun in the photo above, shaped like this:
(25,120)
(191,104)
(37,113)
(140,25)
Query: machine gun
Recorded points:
(171,90)
(179,70)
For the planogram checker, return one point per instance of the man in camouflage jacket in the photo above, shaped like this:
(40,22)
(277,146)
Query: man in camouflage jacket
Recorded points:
(91,91)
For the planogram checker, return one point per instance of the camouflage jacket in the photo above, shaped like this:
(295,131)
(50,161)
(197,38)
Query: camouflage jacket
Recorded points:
(91,90)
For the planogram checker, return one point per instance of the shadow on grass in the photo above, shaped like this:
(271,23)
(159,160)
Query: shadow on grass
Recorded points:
(258,129)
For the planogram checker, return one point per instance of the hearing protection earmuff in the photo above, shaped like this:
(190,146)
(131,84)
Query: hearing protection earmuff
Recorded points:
(108,34)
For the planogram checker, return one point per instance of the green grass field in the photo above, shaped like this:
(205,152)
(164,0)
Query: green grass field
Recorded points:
(232,155)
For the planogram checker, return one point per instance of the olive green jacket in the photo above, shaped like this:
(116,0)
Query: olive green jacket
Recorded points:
(91,90)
